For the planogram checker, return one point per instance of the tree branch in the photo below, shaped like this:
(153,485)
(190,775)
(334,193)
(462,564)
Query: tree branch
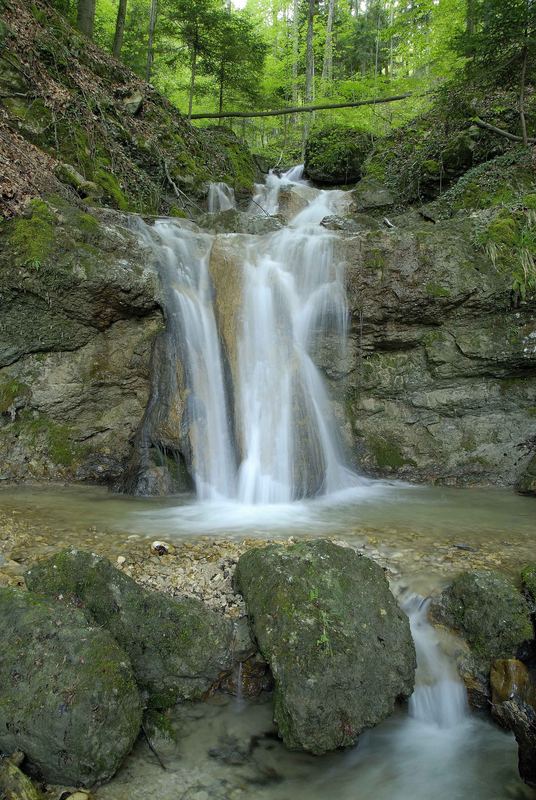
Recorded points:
(302,109)
(500,132)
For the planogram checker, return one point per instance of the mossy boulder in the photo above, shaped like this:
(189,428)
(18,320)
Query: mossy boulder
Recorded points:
(68,698)
(339,647)
(177,647)
(488,611)
(335,154)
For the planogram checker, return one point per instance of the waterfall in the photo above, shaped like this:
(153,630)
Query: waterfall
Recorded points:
(439,698)
(294,294)
(182,256)
(287,442)
(220,198)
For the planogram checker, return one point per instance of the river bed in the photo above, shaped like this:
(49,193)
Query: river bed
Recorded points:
(227,749)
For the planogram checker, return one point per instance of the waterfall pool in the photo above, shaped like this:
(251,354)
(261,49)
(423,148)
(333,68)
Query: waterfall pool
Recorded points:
(226,749)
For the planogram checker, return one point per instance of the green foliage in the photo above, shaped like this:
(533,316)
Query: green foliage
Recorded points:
(510,242)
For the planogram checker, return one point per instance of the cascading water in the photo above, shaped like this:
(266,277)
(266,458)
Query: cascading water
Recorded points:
(182,256)
(293,293)
(220,198)
(287,442)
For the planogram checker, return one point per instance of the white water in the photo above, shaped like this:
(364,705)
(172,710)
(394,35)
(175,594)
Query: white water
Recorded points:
(293,296)
(183,258)
(220,198)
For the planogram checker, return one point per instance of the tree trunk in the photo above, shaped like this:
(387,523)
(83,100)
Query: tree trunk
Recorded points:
(304,109)
(310,56)
(222,79)
(119,28)
(522,86)
(295,48)
(327,66)
(150,43)
(193,69)
(85,17)
(470,21)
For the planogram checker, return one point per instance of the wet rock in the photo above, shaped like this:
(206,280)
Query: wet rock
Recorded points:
(177,647)
(520,717)
(249,678)
(14,784)
(68,698)
(354,224)
(510,677)
(233,221)
(527,481)
(370,194)
(339,648)
(489,613)
(492,617)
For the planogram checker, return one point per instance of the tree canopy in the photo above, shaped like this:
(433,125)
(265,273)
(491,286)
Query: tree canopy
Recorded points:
(257,55)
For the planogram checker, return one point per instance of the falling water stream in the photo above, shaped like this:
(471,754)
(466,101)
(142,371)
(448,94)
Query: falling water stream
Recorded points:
(271,438)
(262,436)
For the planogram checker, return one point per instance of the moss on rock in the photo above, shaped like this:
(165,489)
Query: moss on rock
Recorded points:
(177,648)
(326,623)
(68,698)
(334,154)
(488,611)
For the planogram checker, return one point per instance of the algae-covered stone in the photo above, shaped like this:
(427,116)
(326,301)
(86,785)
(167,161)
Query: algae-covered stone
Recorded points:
(488,611)
(335,154)
(177,647)
(68,698)
(339,647)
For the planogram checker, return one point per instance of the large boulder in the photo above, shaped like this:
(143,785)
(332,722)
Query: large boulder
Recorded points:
(178,647)
(68,698)
(339,647)
(335,154)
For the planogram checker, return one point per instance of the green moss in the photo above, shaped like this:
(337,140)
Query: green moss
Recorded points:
(432,167)
(529,201)
(10,390)
(32,236)
(386,454)
(532,411)
(175,211)
(111,188)
(56,438)
(434,290)
(335,154)
(502,231)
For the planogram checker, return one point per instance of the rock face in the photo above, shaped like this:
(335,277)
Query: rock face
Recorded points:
(78,316)
(439,378)
(339,648)
(68,698)
(177,648)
